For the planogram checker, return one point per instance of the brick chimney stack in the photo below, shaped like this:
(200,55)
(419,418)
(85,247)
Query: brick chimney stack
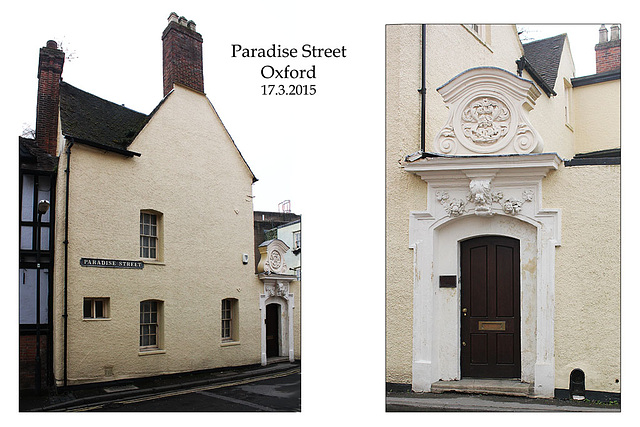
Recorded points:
(608,50)
(49,78)
(181,54)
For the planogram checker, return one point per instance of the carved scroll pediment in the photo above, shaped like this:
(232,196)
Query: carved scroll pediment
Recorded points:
(272,257)
(488,110)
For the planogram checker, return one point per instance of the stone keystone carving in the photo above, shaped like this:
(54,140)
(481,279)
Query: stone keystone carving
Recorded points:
(279,289)
(488,114)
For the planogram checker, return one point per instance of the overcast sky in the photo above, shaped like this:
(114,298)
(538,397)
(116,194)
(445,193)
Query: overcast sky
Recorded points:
(115,53)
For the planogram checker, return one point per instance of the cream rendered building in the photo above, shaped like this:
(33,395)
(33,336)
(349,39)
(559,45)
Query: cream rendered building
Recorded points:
(502,213)
(154,262)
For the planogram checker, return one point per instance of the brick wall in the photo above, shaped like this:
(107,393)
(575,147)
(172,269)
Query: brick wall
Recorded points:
(27,362)
(608,56)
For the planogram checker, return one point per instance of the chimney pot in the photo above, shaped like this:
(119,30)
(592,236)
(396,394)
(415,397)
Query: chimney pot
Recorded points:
(173,17)
(51,44)
(604,34)
(615,32)
(191,25)
(608,51)
(182,21)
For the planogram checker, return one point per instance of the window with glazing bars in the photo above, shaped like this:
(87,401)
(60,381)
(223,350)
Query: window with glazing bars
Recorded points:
(226,320)
(297,241)
(149,324)
(148,235)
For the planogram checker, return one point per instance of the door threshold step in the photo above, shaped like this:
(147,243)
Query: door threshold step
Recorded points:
(277,359)
(506,387)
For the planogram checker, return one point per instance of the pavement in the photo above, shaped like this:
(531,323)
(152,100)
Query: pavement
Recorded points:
(99,393)
(459,402)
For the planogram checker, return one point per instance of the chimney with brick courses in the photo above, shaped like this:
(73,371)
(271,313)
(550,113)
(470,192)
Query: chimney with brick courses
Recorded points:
(182,54)
(608,50)
(49,77)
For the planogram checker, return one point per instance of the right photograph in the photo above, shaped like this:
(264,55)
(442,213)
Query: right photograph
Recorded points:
(503,278)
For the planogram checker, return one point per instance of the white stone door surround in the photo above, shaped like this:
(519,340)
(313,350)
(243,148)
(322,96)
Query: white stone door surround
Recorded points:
(276,291)
(469,196)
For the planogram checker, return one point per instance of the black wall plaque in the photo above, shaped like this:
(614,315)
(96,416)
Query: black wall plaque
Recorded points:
(111,263)
(448,281)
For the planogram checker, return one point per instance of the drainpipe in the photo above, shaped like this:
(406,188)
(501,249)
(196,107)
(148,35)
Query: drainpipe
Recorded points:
(66,258)
(423,91)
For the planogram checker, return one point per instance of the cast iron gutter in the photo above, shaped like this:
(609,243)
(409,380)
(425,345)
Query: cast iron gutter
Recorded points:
(596,78)
(594,158)
(102,147)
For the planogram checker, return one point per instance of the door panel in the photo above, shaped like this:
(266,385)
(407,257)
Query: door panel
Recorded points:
(490,315)
(478,282)
(479,349)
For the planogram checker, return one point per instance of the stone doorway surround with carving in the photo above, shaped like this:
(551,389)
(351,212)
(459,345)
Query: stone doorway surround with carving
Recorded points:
(272,271)
(485,179)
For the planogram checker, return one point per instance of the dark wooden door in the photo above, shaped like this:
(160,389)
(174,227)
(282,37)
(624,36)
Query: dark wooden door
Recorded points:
(490,307)
(273,333)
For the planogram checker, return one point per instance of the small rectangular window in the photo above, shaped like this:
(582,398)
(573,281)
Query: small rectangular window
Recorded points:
(95,308)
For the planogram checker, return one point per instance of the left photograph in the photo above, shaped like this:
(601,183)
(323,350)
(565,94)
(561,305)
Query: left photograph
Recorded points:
(147,281)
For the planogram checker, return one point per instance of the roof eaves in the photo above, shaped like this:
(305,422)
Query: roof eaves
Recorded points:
(121,151)
(596,78)
(523,63)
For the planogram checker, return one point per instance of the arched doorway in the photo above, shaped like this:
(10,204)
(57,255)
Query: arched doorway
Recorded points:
(273,327)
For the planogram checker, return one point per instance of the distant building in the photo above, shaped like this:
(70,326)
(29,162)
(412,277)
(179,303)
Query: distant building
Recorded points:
(289,233)
(264,221)
(503,212)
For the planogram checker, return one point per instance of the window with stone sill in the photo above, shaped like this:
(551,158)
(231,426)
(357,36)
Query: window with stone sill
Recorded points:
(150,325)
(151,235)
(229,318)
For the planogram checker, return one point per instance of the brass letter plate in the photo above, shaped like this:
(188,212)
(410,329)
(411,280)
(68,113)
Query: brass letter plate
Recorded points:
(491,326)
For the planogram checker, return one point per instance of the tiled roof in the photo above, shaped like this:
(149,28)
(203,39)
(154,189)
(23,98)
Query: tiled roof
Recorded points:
(544,56)
(92,119)
(33,157)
